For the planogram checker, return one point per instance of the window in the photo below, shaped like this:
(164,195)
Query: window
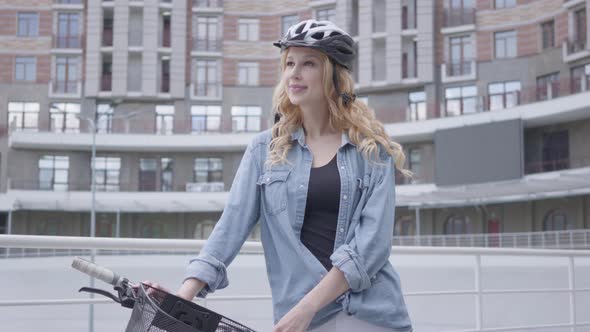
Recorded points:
(68,32)
(107,28)
(379,16)
(248,29)
(23,116)
(106,176)
(505,3)
(415,164)
(64,117)
(246,118)
(287,22)
(53,173)
(25,68)
(205,118)
(460,56)
(326,14)
(148,169)
(417,108)
(461,100)
(580,28)
(205,78)
(581,78)
(104,118)
(248,73)
(455,225)
(166,174)
(66,74)
(354,19)
(556,151)
(207,36)
(503,95)
(460,12)
(209,170)
(106,79)
(405,226)
(166,29)
(548,86)
(134,72)
(379,60)
(165,74)
(556,220)
(548,35)
(28,25)
(164,119)
(505,44)
(135,33)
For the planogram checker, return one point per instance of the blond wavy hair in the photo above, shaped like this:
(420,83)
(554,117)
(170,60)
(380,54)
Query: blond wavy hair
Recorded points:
(363,128)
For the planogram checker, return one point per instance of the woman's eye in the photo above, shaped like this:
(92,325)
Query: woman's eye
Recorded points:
(309,63)
(289,63)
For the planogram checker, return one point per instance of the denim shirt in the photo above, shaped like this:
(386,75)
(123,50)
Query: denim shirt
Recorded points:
(276,197)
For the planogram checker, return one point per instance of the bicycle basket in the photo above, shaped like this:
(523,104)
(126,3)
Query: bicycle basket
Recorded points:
(163,312)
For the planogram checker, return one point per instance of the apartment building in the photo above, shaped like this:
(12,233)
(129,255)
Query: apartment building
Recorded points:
(488,97)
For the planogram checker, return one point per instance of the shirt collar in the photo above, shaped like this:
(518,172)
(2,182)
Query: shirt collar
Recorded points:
(299,136)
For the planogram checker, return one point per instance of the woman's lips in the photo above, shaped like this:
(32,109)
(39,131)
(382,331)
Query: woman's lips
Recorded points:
(297,88)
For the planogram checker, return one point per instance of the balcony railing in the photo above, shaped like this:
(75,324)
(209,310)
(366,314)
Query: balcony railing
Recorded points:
(207,45)
(65,87)
(69,2)
(145,186)
(466,288)
(457,17)
(459,68)
(570,239)
(208,3)
(67,42)
(547,166)
(575,46)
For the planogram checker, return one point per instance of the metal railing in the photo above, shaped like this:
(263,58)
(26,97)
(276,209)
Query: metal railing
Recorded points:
(208,3)
(572,261)
(140,186)
(207,45)
(571,239)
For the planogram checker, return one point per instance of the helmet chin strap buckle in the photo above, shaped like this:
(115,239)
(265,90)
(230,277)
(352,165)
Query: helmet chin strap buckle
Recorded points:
(347,98)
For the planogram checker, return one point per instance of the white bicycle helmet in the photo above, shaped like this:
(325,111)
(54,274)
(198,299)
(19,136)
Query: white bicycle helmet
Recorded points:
(324,36)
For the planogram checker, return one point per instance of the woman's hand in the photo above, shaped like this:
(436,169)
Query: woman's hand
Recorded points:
(296,320)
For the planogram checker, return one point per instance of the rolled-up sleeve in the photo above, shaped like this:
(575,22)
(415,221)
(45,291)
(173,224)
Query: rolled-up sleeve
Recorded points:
(239,217)
(369,247)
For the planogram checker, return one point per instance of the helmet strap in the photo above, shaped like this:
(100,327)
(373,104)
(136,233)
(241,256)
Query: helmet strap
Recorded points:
(346,97)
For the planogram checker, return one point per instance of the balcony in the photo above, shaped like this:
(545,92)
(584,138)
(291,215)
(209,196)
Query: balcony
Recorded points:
(575,49)
(67,42)
(454,17)
(207,45)
(65,89)
(457,71)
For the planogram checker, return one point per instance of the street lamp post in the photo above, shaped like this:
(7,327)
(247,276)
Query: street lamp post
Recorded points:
(93,126)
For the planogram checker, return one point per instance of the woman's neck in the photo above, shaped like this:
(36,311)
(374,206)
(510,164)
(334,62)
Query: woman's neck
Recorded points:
(316,122)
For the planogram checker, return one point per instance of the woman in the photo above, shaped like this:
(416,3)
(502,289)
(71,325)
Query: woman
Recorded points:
(321,182)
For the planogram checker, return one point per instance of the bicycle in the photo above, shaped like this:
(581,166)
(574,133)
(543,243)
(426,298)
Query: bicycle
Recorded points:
(156,310)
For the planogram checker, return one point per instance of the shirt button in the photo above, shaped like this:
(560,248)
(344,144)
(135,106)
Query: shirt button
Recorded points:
(344,197)
(301,186)
(267,179)
(341,167)
(341,230)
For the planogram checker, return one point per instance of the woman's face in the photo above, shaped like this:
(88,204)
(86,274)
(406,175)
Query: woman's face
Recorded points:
(303,73)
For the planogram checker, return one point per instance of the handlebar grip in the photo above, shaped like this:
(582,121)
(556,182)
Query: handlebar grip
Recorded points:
(96,271)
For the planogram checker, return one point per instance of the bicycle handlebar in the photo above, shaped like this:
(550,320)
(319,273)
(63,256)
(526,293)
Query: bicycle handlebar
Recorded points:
(96,271)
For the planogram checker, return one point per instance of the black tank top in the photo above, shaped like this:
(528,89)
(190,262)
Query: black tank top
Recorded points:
(321,212)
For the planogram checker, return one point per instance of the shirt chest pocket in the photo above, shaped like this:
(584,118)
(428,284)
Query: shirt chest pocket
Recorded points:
(273,188)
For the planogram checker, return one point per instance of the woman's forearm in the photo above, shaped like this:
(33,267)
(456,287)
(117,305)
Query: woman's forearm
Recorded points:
(330,288)
(190,288)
